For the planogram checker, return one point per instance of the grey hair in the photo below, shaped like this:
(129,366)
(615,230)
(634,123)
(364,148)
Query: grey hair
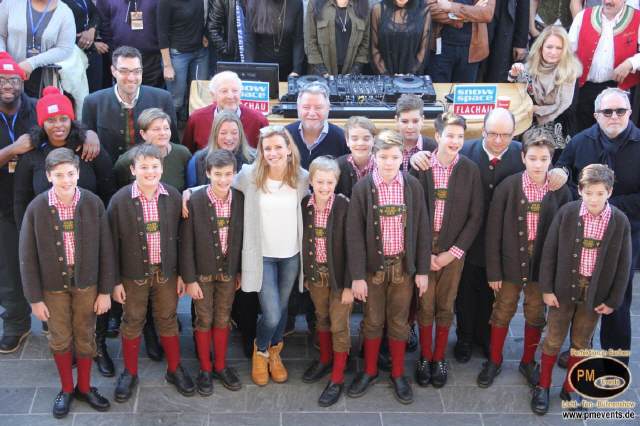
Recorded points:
(611,91)
(215,81)
(315,88)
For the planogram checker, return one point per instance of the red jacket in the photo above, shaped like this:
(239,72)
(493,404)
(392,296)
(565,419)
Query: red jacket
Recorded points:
(196,134)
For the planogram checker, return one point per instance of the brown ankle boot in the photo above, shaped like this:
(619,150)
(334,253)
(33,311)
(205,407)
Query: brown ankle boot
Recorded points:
(276,368)
(259,366)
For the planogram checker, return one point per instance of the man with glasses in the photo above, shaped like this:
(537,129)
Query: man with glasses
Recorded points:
(615,142)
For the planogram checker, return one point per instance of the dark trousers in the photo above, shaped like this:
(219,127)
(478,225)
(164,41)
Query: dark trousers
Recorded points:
(473,305)
(16,318)
(244,312)
(152,66)
(94,71)
(585,107)
(615,328)
(452,65)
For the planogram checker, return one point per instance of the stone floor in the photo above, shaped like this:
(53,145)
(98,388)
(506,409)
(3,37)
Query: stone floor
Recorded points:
(29,383)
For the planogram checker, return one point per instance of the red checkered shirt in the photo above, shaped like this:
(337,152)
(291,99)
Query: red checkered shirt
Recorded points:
(594,228)
(223,211)
(441,175)
(150,214)
(391,227)
(534,194)
(367,170)
(66,213)
(406,156)
(320,221)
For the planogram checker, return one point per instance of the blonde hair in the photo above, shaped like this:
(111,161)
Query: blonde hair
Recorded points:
(594,174)
(568,68)
(324,163)
(387,139)
(261,170)
(361,122)
(227,116)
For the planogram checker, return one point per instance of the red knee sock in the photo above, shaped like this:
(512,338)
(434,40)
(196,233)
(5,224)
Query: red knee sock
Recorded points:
(64,363)
(339,364)
(397,349)
(171,346)
(203,347)
(531,339)
(324,338)
(130,349)
(546,369)
(442,338)
(498,336)
(573,360)
(220,343)
(371,350)
(425,341)
(84,374)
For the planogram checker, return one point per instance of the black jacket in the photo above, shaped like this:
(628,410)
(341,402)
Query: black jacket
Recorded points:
(222,30)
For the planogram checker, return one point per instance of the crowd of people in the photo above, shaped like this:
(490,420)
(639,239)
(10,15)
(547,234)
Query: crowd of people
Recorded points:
(115,201)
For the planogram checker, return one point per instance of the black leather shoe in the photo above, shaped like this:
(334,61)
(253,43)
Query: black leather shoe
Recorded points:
(540,400)
(151,344)
(229,378)
(402,390)
(113,328)
(462,351)
(331,394)
(563,359)
(316,371)
(361,384)
(439,370)
(103,360)
(125,386)
(572,397)
(423,372)
(531,372)
(182,381)
(9,344)
(204,383)
(488,373)
(62,404)
(412,341)
(93,398)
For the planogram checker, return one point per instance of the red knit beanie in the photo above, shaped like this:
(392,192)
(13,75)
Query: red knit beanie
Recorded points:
(9,66)
(53,103)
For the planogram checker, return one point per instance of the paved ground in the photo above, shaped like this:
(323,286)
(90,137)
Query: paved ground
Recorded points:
(29,383)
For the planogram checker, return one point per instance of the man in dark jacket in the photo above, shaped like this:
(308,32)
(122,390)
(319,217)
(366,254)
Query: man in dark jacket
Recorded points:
(226,30)
(614,141)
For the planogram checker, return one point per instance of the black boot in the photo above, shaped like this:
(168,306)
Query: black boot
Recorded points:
(423,372)
(151,343)
(93,398)
(540,400)
(9,344)
(331,394)
(462,351)
(182,381)
(62,404)
(439,373)
(488,374)
(531,372)
(361,384)
(316,371)
(125,386)
(102,359)
(402,390)
(115,318)
(229,378)
(204,383)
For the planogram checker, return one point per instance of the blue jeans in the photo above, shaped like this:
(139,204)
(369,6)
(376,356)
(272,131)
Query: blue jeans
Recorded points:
(187,66)
(279,275)
(452,65)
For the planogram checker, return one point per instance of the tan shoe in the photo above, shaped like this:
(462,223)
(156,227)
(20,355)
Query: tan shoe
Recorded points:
(259,366)
(276,368)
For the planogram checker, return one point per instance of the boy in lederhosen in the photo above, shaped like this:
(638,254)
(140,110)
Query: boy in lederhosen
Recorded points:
(520,215)
(584,274)
(388,250)
(453,194)
(67,273)
(324,216)
(144,218)
(211,242)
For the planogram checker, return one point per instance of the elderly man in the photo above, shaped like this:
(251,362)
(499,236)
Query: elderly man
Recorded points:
(614,141)
(605,39)
(313,134)
(225,88)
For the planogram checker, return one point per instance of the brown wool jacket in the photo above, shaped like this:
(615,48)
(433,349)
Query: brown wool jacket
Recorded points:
(336,243)
(200,250)
(507,235)
(129,239)
(42,259)
(561,258)
(364,239)
(463,211)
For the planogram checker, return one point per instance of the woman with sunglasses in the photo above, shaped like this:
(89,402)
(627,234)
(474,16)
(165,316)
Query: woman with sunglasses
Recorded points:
(273,186)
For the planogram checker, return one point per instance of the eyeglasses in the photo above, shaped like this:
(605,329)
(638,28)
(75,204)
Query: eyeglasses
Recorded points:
(608,112)
(13,81)
(127,71)
(271,130)
(494,135)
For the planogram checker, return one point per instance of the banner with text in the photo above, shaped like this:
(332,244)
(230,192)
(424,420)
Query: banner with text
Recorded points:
(255,95)
(473,100)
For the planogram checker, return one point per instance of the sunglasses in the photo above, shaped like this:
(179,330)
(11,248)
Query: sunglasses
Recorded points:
(608,112)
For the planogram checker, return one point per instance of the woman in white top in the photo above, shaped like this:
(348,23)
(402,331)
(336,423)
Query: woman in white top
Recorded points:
(273,187)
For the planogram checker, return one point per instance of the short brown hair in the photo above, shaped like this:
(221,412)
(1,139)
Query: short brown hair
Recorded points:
(219,158)
(594,174)
(408,103)
(387,139)
(448,119)
(145,150)
(150,115)
(324,163)
(61,156)
(537,136)
(362,122)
